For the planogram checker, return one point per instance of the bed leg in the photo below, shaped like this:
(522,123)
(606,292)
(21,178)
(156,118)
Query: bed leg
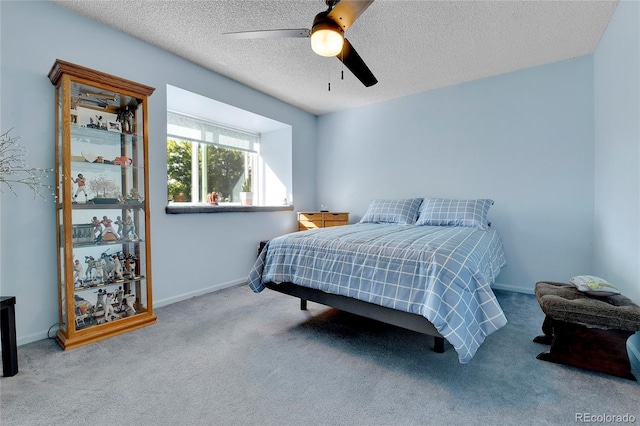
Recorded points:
(303,304)
(438,344)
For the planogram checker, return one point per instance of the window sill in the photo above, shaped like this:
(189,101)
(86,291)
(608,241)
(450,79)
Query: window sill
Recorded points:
(187,208)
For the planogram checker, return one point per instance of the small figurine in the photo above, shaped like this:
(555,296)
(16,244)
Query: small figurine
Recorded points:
(81,181)
(108,228)
(120,224)
(91,266)
(131,267)
(129,301)
(130,228)
(119,298)
(98,278)
(100,301)
(108,308)
(212,199)
(108,267)
(134,195)
(123,161)
(97,224)
(97,228)
(78,273)
(118,268)
(125,116)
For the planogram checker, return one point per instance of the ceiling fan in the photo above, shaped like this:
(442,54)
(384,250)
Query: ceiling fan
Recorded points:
(327,35)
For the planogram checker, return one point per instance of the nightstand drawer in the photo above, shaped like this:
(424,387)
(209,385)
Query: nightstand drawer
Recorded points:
(311,217)
(303,225)
(336,217)
(329,223)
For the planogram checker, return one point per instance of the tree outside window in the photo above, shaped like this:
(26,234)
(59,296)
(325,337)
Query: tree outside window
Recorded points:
(225,167)
(179,169)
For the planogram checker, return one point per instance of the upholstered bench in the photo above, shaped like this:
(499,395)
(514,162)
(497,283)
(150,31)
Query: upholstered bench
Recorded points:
(584,331)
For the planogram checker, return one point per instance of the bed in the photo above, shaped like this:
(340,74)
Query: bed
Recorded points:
(414,270)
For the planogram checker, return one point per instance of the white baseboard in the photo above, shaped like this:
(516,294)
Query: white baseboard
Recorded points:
(23,340)
(514,288)
(34,337)
(199,292)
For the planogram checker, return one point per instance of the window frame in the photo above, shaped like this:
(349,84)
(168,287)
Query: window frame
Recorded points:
(202,134)
(273,162)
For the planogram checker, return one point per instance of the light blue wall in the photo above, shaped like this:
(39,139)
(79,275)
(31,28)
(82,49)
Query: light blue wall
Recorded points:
(275,151)
(617,151)
(617,158)
(524,139)
(191,254)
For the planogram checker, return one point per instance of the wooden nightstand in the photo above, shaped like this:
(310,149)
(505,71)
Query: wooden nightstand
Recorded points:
(312,220)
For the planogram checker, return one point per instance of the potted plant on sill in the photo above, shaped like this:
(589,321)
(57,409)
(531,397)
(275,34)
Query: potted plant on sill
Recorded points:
(246,195)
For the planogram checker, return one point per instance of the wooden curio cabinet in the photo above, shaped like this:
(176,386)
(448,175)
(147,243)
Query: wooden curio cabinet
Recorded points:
(102,205)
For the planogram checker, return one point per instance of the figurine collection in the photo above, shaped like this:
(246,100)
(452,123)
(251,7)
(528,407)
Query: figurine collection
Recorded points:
(104,231)
(108,269)
(107,191)
(97,272)
(109,306)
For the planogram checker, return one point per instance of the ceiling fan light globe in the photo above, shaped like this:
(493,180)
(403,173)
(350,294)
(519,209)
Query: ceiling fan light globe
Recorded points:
(326,41)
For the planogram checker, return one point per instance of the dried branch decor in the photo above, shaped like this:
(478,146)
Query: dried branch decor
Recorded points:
(14,170)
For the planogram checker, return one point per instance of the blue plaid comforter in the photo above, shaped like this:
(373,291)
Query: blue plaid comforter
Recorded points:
(441,273)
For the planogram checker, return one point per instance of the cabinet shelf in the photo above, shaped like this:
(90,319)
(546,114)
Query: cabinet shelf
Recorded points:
(106,243)
(82,165)
(110,206)
(104,254)
(80,288)
(99,136)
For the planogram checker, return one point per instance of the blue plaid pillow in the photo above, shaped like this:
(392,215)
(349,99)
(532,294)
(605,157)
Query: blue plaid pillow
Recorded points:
(443,212)
(393,211)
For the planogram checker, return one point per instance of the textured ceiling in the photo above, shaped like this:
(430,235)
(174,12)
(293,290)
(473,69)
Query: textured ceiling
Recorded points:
(410,46)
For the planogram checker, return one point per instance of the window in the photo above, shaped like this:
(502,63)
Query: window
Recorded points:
(216,147)
(205,157)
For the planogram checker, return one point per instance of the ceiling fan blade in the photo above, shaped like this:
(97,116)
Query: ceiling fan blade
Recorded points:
(347,11)
(356,65)
(300,32)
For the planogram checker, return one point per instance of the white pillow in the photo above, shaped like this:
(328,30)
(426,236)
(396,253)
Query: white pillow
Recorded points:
(594,286)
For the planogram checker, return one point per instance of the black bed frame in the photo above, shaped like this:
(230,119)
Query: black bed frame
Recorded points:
(402,319)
